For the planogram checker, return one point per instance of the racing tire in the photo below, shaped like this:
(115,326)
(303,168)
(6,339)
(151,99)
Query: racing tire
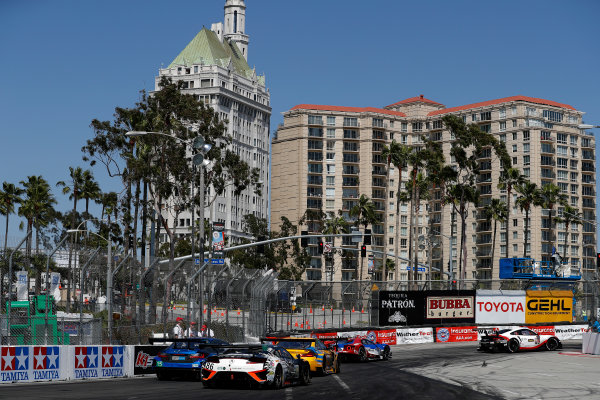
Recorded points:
(386,354)
(208,384)
(162,376)
(305,375)
(277,379)
(552,344)
(362,355)
(513,346)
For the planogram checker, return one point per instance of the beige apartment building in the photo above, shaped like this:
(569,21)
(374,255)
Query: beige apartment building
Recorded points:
(325,157)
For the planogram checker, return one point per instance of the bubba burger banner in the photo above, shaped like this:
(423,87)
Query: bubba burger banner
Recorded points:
(445,306)
(500,307)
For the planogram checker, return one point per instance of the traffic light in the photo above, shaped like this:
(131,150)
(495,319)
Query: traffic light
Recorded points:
(320,247)
(598,261)
(367,238)
(304,240)
(363,251)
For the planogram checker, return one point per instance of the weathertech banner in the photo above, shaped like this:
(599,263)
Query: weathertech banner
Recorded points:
(567,332)
(500,307)
(450,306)
(456,334)
(414,335)
(549,306)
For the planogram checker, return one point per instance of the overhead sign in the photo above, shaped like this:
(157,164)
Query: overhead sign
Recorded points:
(549,306)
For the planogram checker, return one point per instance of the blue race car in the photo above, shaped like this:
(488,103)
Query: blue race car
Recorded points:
(184,357)
(362,349)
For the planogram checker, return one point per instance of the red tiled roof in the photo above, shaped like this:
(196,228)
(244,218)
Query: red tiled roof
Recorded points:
(419,98)
(347,109)
(500,101)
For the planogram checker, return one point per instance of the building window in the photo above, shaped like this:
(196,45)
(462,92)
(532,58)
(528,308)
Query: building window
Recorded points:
(330,204)
(502,113)
(404,127)
(330,121)
(417,127)
(330,156)
(330,133)
(553,115)
(514,148)
(330,180)
(502,126)
(349,121)
(526,160)
(315,120)
(377,123)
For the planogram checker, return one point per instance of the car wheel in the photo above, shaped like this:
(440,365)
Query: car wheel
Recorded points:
(277,379)
(362,355)
(386,354)
(208,384)
(305,375)
(513,346)
(552,344)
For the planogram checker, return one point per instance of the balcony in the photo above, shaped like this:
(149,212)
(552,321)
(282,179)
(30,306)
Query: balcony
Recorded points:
(315,180)
(350,170)
(484,227)
(484,253)
(351,147)
(546,138)
(378,182)
(351,158)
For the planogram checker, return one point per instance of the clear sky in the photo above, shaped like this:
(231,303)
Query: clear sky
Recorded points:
(63,63)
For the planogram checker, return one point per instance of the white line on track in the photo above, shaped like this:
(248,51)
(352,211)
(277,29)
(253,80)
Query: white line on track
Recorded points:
(288,393)
(342,383)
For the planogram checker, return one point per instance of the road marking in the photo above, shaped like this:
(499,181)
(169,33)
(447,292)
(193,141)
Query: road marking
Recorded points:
(288,393)
(342,383)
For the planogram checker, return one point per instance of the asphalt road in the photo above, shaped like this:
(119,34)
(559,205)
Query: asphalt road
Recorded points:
(431,371)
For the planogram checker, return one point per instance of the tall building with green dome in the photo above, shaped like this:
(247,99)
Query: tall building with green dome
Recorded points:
(214,68)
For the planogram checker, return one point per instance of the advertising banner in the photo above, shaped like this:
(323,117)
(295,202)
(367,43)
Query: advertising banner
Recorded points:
(113,359)
(567,332)
(22,293)
(500,307)
(143,356)
(414,335)
(456,334)
(325,335)
(387,336)
(352,334)
(450,306)
(31,363)
(401,308)
(548,306)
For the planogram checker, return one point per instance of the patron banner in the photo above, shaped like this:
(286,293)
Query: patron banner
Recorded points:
(500,307)
(543,306)
(401,308)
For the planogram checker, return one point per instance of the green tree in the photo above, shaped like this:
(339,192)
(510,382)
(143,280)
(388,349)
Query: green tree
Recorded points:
(470,144)
(397,155)
(496,211)
(364,212)
(570,216)
(509,178)
(37,207)
(529,195)
(10,195)
(550,195)
(335,225)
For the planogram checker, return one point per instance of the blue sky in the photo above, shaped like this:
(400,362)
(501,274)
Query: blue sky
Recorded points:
(64,63)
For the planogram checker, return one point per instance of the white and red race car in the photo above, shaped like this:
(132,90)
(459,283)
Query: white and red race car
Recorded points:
(517,338)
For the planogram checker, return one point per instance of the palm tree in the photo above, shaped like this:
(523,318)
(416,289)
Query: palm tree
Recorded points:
(335,225)
(551,195)
(9,197)
(398,155)
(37,207)
(570,216)
(90,190)
(365,214)
(529,196)
(510,178)
(497,211)
(416,159)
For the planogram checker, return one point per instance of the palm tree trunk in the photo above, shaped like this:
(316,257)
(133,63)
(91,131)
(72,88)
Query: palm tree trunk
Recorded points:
(526,232)
(136,265)
(566,240)
(142,289)
(397,240)
(493,250)
(6,233)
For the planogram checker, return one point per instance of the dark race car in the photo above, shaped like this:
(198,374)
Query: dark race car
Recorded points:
(362,349)
(515,339)
(184,357)
(255,365)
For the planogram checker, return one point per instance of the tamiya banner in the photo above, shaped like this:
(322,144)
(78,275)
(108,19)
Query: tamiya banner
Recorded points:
(143,356)
(414,335)
(113,358)
(401,308)
(548,306)
(500,307)
(456,334)
(442,306)
(85,359)
(32,363)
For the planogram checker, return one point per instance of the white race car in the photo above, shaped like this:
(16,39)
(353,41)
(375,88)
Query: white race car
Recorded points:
(257,365)
(517,338)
